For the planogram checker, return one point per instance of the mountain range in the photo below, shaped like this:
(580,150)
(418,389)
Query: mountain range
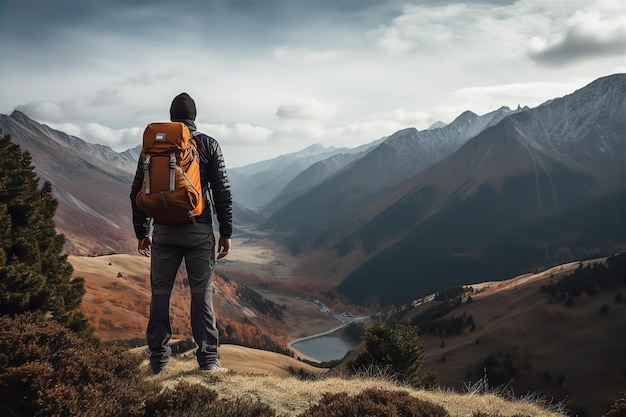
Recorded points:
(483,197)
(272,181)
(542,186)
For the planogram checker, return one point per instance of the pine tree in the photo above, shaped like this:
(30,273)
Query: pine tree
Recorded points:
(35,276)
(397,349)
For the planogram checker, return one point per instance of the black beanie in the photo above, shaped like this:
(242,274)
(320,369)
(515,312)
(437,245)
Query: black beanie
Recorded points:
(183,107)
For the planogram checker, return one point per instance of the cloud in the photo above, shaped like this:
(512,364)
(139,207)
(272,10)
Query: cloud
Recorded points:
(428,26)
(241,133)
(76,109)
(151,79)
(532,94)
(105,98)
(306,109)
(45,111)
(119,140)
(68,128)
(303,55)
(284,75)
(593,33)
(390,40)
(404,118)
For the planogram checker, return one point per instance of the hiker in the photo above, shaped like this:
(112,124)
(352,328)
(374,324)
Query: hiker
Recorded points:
(192,241)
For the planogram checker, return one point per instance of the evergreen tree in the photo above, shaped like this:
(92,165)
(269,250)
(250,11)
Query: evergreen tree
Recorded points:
(35,276)
(398,349)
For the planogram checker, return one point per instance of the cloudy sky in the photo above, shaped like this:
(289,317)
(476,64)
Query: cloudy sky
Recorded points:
(273,77)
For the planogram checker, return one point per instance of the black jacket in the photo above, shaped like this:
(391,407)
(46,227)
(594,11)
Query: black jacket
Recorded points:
(214,183)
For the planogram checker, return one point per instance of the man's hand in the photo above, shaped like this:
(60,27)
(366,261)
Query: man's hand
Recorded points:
(223,247)
(143,246)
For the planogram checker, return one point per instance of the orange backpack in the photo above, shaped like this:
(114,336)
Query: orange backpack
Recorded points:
(171,192)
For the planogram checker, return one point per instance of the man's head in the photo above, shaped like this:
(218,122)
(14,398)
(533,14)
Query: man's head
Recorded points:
(183,108)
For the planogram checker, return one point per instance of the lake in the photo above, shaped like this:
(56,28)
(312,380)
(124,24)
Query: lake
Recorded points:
(325,348)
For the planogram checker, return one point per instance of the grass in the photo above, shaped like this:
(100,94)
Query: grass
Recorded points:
(290,396)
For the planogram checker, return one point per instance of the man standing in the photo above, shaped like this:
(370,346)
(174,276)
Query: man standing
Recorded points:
(194,242)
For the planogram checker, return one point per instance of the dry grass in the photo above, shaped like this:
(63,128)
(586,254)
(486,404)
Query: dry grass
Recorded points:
(264,376)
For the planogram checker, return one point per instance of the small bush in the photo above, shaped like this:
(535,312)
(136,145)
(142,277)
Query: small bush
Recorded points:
(191,400)
(47,370)
(301,374)
(398,349)
(374,402)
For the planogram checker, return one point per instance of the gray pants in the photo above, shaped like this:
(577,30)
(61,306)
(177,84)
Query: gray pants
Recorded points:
(170,245)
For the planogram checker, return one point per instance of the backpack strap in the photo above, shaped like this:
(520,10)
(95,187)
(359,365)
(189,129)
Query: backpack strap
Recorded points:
(146,173)
(201,146)
(203,156)
(172,170)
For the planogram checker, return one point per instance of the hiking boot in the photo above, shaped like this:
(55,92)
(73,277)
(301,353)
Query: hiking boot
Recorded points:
(158,365)
(213,366)
(156,368)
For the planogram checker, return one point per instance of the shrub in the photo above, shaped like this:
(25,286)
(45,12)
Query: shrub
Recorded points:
(47,370)
(397,349)
(259,302)
(239,407)
(191,400)
(590,279)
(500,368)
(452,293)
(301,374)
(374,402)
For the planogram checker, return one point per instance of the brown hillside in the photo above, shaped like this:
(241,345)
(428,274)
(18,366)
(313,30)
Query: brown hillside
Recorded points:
(540,344)
(118,294)
(117,302)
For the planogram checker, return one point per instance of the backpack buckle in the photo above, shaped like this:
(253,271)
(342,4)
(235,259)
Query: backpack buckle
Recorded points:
(146,163)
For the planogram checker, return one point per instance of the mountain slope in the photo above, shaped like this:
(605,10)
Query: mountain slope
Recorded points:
(334,203)
(523,333)
(256,185)
(117,303)
(318,173)
(541,187)
(91,183)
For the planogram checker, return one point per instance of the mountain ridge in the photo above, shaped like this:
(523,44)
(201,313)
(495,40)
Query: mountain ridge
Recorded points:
(397,158)
(504,179)
(258,184)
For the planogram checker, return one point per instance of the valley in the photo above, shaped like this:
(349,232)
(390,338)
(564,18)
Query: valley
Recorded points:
(118,291)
